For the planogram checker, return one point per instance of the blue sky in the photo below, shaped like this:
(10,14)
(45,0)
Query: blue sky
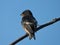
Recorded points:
(43,10)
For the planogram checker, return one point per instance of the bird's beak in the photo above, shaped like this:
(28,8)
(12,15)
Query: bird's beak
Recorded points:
(22,14)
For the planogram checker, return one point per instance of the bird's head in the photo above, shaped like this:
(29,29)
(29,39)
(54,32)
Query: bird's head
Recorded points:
(26,13)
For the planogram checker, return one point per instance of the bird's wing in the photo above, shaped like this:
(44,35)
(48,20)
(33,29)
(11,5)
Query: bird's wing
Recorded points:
(28,29)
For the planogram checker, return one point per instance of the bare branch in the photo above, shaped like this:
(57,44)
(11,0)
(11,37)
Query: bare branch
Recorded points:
(38,28)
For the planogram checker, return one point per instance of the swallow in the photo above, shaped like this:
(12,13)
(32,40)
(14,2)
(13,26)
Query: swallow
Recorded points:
(29,23)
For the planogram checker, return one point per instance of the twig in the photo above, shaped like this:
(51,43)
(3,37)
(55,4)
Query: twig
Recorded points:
(38,28)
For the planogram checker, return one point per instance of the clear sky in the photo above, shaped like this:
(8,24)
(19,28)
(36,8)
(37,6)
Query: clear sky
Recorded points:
(43,10)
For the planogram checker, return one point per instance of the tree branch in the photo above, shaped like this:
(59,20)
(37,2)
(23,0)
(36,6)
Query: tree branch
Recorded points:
(38,28)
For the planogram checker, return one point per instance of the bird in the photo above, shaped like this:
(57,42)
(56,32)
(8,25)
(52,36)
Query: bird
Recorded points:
(29,23)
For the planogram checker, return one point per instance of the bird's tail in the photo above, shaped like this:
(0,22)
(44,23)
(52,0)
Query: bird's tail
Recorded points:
(32,36)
